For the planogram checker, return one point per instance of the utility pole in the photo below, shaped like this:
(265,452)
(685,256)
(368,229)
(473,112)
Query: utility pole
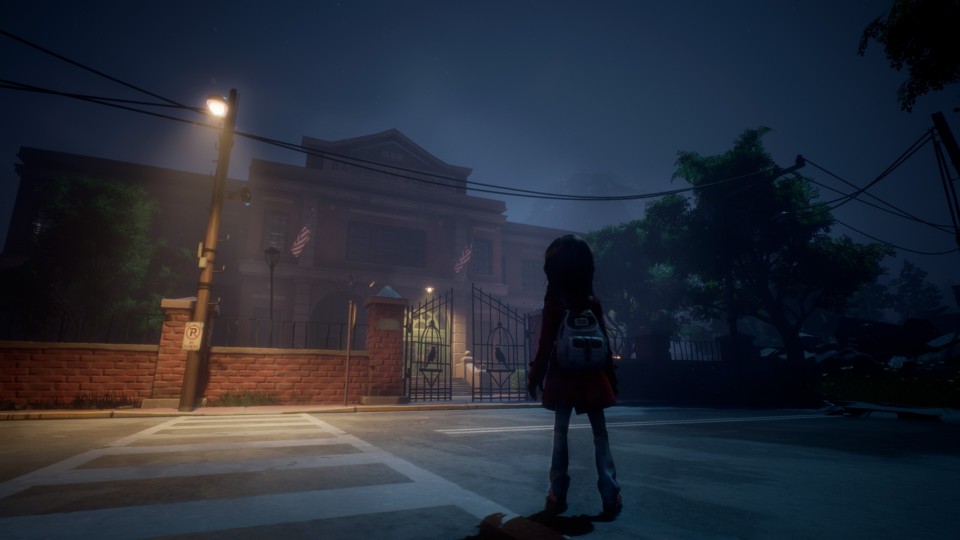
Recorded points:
(950,191)
(940,123)
(208,255)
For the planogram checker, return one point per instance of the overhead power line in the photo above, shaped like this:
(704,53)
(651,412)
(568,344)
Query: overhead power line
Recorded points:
(895,246)
(836,203)
(357,162)
(385,168)
(401,172)
(87,68)
(893,209)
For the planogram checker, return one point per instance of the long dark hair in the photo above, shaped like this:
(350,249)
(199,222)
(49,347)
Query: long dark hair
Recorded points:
(568,264)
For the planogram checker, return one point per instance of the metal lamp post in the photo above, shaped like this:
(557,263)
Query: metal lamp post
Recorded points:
(272,256)
(227,109)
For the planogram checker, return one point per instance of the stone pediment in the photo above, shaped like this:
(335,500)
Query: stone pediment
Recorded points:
(390,148)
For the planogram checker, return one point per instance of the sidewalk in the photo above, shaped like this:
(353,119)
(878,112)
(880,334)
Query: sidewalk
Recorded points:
(64,414)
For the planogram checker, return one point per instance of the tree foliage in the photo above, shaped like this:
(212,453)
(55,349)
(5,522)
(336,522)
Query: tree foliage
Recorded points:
(921,36)
(640,276)
(92,253)
(750,243)
(911,293)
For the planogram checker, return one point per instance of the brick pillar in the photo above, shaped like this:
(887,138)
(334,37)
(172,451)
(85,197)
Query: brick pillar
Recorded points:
(385,350)
(172,359)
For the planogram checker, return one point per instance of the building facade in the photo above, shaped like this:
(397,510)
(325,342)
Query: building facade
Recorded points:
(381,212)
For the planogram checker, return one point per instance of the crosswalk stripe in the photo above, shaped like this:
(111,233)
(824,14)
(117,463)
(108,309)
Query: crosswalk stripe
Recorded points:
(423,490)
(138,522)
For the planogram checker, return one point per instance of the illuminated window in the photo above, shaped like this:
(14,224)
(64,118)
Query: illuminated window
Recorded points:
(275,231)
(383,244)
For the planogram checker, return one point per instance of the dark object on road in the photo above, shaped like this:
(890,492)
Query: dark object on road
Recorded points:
(853,408)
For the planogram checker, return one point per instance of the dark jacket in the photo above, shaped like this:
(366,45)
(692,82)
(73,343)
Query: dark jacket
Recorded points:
(585,391)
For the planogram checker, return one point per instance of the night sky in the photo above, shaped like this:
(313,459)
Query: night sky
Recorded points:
(528,94)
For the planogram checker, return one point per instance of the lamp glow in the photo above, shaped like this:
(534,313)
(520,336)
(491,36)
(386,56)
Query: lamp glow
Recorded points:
(217,105)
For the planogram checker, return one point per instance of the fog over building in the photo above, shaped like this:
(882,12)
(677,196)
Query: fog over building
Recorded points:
(381,210)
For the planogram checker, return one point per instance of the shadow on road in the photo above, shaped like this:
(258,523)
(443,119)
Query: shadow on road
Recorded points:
(539,526)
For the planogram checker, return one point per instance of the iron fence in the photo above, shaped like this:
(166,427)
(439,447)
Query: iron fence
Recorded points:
(128,328)
(695,351)
(427,350)
(247,332)
(501,344)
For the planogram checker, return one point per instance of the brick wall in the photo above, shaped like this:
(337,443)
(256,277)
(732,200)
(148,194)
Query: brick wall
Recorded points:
(35,372)
(171,358)
(295,377)
(385,345)
(38,372)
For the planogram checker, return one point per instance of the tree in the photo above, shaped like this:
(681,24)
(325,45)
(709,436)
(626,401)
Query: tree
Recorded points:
(911,293)
(759,247)
(91,254)
(869,302)
(639,277)
(749,244)
(921,35)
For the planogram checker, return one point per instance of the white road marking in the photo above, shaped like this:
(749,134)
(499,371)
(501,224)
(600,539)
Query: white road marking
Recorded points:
(510,429)
(211,515)
(423,490)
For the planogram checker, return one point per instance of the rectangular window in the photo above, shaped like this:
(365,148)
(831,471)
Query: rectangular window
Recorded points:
(275,231)
(531,274)
(384,244)
(482,260)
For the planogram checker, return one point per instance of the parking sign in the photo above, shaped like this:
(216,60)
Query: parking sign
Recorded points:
(191,336)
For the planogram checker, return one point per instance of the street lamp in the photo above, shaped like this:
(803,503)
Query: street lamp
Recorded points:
(226,109)
(272,256)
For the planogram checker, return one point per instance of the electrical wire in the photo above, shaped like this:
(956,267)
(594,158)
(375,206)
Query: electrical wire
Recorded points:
(926,137)
(108,102)
(88,68)
(500,190)
(13,85)
(895,246)
(896,211)
(948,188)
(384,168)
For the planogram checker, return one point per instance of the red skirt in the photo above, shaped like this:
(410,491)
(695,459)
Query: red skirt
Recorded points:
(587,391)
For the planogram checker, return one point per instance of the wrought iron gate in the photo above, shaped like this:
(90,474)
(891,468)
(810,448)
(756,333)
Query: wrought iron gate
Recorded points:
(501,344)
(427,352)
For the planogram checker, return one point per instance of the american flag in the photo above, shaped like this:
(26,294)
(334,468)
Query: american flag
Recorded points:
(464,259)
(303,238)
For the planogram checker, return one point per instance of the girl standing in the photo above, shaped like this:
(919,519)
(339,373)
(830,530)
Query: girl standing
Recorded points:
(568,264)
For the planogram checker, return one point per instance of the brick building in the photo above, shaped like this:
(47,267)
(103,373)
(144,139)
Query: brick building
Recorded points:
(382,212)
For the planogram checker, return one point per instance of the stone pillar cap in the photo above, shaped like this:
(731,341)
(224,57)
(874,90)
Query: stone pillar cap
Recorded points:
(388,292)
(173,303)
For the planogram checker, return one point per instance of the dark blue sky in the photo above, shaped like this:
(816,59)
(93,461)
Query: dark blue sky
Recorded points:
(527,94)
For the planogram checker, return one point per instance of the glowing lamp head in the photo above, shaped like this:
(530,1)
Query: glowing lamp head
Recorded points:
(217,105)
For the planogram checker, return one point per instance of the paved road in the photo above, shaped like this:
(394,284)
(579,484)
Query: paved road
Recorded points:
(686,473)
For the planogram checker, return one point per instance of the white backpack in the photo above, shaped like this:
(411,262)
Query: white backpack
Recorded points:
(581,345)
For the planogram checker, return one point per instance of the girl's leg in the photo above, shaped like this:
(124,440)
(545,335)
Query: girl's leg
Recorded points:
(559,479)
(606,471)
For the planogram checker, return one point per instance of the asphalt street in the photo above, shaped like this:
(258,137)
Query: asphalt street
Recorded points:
(455,474)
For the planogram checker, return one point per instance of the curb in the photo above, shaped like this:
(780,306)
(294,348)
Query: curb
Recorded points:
(263,410)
